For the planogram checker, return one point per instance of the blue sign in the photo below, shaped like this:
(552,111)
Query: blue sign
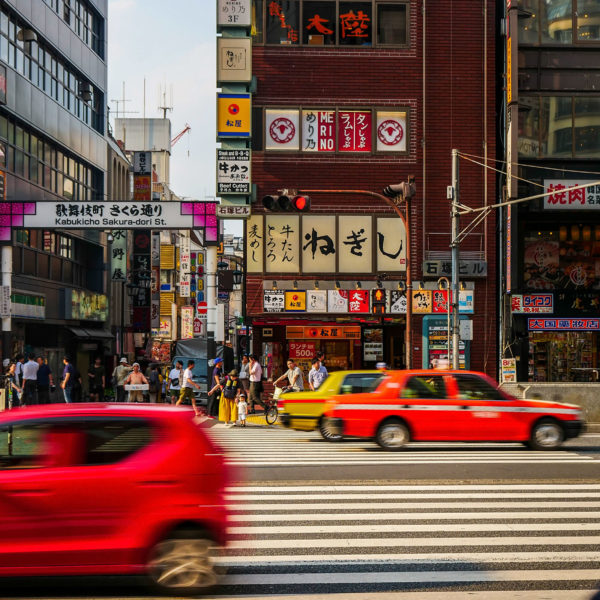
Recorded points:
(223,296)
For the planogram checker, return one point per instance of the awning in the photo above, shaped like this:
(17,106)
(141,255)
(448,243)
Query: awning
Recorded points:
(91,334)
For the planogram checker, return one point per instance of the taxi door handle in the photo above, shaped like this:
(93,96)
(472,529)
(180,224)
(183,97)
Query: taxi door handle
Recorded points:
(465,407)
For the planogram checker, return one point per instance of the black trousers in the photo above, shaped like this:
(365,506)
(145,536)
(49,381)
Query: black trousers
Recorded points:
(43,394)
(212,406)
(30,392)
(255,390)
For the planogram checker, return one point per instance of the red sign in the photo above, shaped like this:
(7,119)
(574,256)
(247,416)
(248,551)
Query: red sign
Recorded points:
(358,301)
(201,308)
(440,301)
(302,349)
(318,128)
(354,131)
(197,325)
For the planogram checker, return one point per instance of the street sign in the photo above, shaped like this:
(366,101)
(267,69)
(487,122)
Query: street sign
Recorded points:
(5,301)
(223,296)
(201,309)
(197,326)
(233,171)
(233,212)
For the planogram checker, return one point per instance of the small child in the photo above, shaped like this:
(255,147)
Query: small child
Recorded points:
(242,407)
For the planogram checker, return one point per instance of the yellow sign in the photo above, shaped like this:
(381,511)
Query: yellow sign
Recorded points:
(295,301)
(166,299)
(167,256)
(336,332)
(509,70)
(233,115)
(421,301)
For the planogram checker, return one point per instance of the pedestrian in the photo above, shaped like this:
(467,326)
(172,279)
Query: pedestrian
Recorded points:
(245,373)
(77,390)
(212,407)
(136,377)
(119,375)
(97,379)
(45,381)
(20,361)
(14,391)
(255,384)
(30,369)
(242,408)
(316,375)
(67,380)
(155,383)
(294,377)
(227,405)
(186,387)
(174,381)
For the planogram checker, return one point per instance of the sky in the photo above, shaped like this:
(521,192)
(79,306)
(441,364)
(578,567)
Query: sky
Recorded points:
(172,46)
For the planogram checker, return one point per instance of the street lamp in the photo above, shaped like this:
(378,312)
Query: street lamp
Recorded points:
(444,283)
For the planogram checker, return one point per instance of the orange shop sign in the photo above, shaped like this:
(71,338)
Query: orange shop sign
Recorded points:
(329,332)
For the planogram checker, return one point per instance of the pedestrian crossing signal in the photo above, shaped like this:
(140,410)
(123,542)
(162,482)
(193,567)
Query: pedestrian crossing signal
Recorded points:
(378,300)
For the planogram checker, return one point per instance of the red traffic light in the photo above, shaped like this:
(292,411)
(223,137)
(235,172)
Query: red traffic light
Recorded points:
(301,203)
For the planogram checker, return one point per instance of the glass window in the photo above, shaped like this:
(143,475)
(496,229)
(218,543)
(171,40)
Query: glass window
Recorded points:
(471,387)
(424,387)
(556,21)
(588,20)
(555,127)
(22,446)
(360,382)
(3,128)
(109,442)
(355,24)
(587,127)
(391,24)
(318,23)
(2,154)
(19,162)
(282,22)
(4,49)
(67,191)
(257,21)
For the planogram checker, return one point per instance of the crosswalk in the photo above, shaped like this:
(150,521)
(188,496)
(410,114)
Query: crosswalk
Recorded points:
(370,541)
(274,446)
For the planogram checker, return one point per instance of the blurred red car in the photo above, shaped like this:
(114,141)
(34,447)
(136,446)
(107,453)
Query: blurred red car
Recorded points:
(119,489)
(461,406)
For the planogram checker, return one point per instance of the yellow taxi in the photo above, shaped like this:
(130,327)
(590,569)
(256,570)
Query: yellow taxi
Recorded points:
(304,410)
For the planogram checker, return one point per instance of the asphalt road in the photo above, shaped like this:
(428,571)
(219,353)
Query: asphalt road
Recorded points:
(314,521)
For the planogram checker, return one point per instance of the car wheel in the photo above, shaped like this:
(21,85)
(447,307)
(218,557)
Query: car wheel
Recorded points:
(183,563)
(327,433)
(392,435)
(546,435)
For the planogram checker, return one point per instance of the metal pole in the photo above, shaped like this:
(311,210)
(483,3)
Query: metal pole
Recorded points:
(7,261)
(121,332)
(408,341)
(448,331)
(455,262)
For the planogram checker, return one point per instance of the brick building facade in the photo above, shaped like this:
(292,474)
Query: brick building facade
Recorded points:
(427,67)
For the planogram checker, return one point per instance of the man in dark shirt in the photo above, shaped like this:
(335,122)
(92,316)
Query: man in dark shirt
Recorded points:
(212,407)
(44,381)
(67,380)
(97,379)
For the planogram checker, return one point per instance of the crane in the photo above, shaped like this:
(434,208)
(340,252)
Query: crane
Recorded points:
(180,134)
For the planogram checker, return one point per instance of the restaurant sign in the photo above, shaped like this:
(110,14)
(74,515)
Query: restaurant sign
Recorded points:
(563,324)
(531,303)
(562,195)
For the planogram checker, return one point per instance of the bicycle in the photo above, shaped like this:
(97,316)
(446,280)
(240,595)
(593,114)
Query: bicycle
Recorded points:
(271,411)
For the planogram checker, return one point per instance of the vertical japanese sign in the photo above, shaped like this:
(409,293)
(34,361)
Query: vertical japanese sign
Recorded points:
(282,129)
(141,277)
(355,247)
(234,13)
(354,131)
(318,244)
(118,256)
(282,240)
(318,130)
(255,244)
(233,115)
(142,176)
(185,278)
(234,59)
(391,244)
(233,171)
(187,322)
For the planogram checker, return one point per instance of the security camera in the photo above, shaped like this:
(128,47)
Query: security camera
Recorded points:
(110,238)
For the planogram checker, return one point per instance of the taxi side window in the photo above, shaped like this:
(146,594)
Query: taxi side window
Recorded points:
(471,387)
(22,446)
(360,382)
(424,387)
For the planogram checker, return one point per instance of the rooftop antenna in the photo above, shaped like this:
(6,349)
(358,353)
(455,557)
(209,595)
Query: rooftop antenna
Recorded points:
(163,100)
(122,102)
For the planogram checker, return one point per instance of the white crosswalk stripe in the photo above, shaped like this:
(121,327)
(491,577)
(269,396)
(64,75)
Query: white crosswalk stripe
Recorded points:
(413,540)
(274,446)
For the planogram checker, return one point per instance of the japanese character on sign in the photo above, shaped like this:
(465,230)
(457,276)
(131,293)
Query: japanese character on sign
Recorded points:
(356,242)
(355,25)
(314,238)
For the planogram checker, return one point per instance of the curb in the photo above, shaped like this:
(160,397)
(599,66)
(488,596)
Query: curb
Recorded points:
(592,428)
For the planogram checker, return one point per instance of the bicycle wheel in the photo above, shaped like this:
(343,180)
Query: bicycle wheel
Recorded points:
(271,415)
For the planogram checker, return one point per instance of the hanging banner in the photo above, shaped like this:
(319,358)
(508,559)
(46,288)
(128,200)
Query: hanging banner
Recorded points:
(118,255)
(187,322)
(185,278)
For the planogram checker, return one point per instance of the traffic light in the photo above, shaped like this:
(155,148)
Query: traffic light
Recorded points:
(285,203)
(406,189)
(378,300)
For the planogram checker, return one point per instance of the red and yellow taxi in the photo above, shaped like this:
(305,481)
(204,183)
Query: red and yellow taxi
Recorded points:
(435,405)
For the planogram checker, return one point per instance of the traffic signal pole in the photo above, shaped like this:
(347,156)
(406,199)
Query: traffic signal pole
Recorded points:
(405,216)
(455,263)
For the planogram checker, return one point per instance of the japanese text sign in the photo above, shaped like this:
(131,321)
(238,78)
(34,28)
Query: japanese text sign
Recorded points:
(563,324)
(142,163)
(118,255)
(337,301)
(318,245)
(318,130)
(187,322)
(398,303)
(354,131)
(302,349)
(234,59)
(142,188)
(295,301)
(532,303)
(421,301)
(358,301)
(281,239)
(565,198)
(391,245)
(233,115)
(355,248)
(255,244)
(233,171)
(234,13)
(316,301)
(273,301)
(293,332)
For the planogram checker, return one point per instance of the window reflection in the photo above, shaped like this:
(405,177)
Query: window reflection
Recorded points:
(556,24)
(587,127)
(555,127)
(588,20)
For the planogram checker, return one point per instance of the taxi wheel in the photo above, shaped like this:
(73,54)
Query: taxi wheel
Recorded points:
(183,564)
(546,435)
(392,435)
(327,434)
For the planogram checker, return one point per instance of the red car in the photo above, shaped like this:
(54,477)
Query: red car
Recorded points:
(457,406)
(111,489)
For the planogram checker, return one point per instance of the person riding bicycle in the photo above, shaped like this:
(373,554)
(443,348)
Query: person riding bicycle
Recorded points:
(294,377)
